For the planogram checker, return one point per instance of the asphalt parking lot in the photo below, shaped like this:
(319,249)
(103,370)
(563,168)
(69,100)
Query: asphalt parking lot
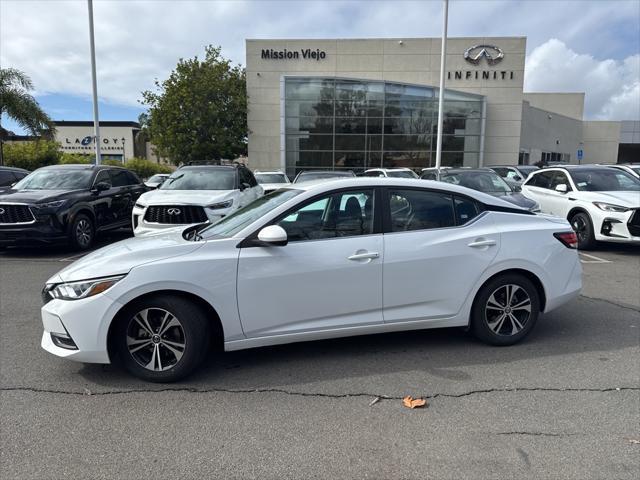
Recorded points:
(563,404)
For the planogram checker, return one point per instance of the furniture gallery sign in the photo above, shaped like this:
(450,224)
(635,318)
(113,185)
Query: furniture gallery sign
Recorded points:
(86,143)
(305,54)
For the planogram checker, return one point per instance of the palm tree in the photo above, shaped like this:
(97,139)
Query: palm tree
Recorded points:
(18,104)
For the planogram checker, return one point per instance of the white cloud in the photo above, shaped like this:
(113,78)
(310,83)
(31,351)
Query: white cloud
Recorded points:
(138,41)
(612,87)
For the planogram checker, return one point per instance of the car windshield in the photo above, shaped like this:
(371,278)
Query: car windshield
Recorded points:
(271,178)
(604,180)
(56,179)
(201,179)
(487,182)
(635,168)
(401,174)
(309,176)
(232,224)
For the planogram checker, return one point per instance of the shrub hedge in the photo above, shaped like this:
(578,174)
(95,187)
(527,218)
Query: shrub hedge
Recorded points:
(33,155)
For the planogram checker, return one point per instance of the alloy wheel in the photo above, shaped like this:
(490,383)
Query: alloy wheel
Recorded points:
(508,309)
(580,227)
(83,232)
(155,339)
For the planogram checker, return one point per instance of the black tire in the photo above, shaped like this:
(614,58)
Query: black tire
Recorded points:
(582,225)
(192,331)
(486,317)
(82,232)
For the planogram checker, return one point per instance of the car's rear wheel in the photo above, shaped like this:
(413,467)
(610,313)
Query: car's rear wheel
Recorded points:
(505,310)
(582,225)
(82,232)
(162,339)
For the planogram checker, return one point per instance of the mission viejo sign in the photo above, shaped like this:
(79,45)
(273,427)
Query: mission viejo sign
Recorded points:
(305,54)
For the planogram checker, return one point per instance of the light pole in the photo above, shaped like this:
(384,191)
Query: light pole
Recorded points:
(443,57)
(96,124)
(123,150)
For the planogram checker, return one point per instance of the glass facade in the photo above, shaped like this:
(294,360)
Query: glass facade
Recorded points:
(333,123)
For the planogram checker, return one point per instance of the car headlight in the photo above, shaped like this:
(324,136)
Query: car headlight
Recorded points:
(220,205)
(139,205)
(610,207)
(82,289)
(51,205)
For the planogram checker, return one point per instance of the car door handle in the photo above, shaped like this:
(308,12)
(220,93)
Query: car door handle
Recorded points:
(364,256)
(481,242)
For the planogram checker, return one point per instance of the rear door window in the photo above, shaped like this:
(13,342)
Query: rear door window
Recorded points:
(420,210)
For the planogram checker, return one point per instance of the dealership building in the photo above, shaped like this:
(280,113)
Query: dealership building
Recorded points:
(363,103)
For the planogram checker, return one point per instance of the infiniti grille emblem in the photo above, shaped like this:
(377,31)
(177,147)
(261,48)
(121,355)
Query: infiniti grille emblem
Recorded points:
(492,53)
(1,211)
(173,211)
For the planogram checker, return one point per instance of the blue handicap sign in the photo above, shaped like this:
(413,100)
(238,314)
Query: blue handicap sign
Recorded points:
(580,154)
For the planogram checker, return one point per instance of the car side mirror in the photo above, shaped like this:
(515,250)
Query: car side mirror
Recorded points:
(102,186)
(273,235)
(562,188)
(244,185)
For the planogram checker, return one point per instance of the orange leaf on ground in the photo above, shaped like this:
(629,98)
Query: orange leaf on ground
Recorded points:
(411,402)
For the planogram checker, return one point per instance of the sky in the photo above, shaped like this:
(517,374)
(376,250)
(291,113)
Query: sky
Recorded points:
(590,46)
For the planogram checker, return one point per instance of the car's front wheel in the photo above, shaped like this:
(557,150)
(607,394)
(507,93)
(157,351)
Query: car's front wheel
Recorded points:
(582,225)
(82,232)
(505,310)
(162,339)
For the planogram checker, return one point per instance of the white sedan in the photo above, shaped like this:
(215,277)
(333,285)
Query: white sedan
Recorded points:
(601,203)
(312,261)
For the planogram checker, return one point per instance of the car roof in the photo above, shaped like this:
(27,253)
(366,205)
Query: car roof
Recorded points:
(381,169)
(467,170)
(13,169)
(361,182)
(80,166)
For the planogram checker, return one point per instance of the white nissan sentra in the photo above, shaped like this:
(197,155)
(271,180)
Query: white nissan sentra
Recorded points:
(345,257)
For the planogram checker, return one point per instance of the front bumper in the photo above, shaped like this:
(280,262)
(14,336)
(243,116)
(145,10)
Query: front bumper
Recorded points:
(141,227)
(84,322)
(43,231)
(619,227)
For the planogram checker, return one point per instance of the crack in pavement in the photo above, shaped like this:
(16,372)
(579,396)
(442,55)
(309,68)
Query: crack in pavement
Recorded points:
(538,434)
(87,392)
(611,302)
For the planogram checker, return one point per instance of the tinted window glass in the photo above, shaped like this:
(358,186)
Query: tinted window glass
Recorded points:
(604,180)
(271,178)
(485,181)
(559,179)
(252,180)
(56,179)
(6,178)
(119,178)
(132,179)
(466,210)
(420,210)
(194,178)
(342,214)
(542,180)
(103,176)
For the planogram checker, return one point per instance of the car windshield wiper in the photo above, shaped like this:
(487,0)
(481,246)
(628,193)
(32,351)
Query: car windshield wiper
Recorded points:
(171,180)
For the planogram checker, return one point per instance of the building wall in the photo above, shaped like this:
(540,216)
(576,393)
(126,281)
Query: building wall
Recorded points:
(414,61)
(568,104)
(544,131)
(601,141)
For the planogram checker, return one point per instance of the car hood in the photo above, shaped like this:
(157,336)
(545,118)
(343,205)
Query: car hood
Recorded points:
(274,186)
(185,197)
(119,258)
(624,199)
(518,199)
(34,196)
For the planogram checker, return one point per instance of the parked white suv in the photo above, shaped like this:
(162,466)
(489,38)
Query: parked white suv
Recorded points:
(390,172)
(601,203)
(195,194)
(272,180)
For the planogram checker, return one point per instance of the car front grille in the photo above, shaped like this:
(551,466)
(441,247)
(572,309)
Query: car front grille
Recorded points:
(175,214)
(634,223)
(15,214)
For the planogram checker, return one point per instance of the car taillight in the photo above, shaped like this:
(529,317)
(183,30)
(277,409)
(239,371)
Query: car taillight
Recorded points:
(568,239)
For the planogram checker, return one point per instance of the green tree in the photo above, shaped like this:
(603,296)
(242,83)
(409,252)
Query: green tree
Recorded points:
(19,105)
(32,155)
(200,111)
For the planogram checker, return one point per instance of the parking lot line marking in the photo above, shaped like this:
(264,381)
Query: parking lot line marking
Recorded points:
(593,258)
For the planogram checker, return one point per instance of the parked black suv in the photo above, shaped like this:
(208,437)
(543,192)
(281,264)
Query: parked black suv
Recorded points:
(10,175)
(68,203)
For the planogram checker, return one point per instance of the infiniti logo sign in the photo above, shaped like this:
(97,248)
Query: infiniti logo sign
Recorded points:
(173,211)
(493,54)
